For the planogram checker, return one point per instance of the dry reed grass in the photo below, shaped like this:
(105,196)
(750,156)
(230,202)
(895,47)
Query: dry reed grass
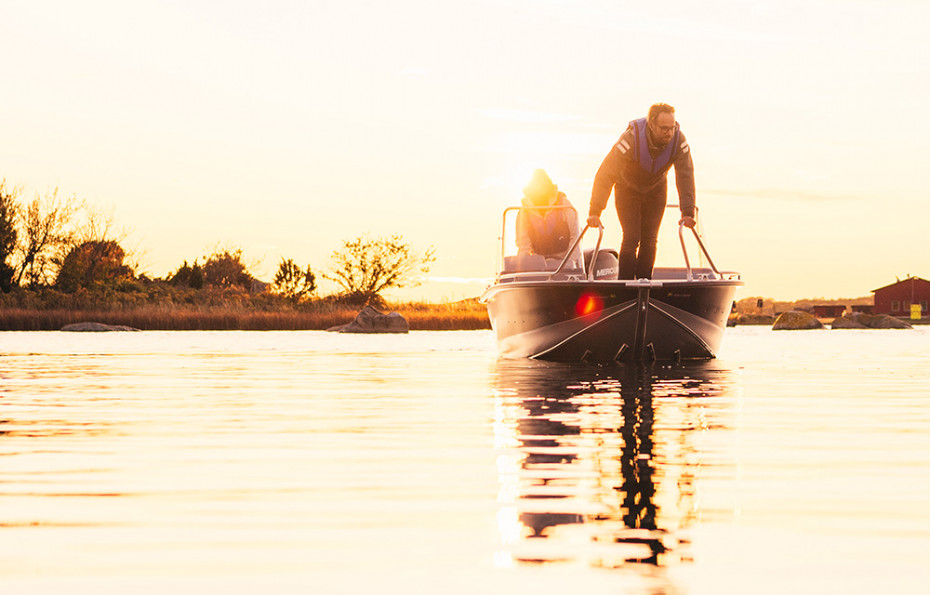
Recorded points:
(467,315)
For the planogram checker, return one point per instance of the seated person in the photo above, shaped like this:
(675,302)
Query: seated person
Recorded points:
(549,232)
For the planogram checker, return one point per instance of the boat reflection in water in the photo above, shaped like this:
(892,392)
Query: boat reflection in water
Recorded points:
(598,465)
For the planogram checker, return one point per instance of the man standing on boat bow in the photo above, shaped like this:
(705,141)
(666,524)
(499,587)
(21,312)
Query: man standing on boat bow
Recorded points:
(636,169)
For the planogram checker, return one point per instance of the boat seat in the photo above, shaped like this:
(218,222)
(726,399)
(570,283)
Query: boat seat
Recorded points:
(524,263)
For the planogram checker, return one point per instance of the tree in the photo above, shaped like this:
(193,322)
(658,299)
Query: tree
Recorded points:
(225,268)
(91,264)
(365,267)
(292,282)
(8,215)
(45,234)
(98,226)
(188,276)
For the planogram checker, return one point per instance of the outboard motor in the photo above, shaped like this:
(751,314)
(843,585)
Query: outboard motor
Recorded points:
(606,265)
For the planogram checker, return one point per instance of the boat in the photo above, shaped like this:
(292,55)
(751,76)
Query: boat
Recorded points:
(543,309)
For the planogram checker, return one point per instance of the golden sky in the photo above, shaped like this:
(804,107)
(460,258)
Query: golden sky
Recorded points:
(285,127)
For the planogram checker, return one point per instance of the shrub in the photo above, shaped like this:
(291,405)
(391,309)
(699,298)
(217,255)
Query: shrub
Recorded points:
(90,264)
(293,283)
(225,269)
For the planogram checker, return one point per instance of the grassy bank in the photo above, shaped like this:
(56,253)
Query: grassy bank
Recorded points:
(459,316)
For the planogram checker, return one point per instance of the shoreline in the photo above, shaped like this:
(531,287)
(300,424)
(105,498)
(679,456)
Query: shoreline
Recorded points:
(419,317)
(756,320)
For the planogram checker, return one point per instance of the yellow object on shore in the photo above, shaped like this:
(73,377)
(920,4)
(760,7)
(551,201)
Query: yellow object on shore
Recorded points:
(915,312)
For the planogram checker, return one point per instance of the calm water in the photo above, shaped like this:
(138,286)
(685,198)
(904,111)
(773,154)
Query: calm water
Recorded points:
(797,462)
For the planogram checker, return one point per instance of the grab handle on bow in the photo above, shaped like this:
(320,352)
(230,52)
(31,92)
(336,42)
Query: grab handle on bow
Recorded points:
(684,250)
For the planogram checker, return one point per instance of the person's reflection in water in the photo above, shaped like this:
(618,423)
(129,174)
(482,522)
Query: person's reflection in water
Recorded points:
(542,435)
(587,438)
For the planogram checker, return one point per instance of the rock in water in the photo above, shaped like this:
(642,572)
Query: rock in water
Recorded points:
(846,322)
(95,327)
(370,320)
(885,321)
(796,321)
(860,320)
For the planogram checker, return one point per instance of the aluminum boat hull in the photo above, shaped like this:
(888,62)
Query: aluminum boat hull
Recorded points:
(610,321)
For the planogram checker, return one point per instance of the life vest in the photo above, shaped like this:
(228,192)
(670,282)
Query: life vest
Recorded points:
(663,161)
(549,233)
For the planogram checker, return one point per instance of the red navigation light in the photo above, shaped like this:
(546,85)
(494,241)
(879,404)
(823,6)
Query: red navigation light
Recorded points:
(588,303)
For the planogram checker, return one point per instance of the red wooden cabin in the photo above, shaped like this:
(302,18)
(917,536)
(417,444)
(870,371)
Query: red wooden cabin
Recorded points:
(829,310)
(896,299)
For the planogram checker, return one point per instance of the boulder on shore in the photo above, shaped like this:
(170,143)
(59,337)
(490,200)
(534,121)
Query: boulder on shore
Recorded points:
(860,320)
(370,320)
(95,327)
(796,320)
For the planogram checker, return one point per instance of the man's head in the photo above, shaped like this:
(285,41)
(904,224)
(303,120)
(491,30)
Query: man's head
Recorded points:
(661,121)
